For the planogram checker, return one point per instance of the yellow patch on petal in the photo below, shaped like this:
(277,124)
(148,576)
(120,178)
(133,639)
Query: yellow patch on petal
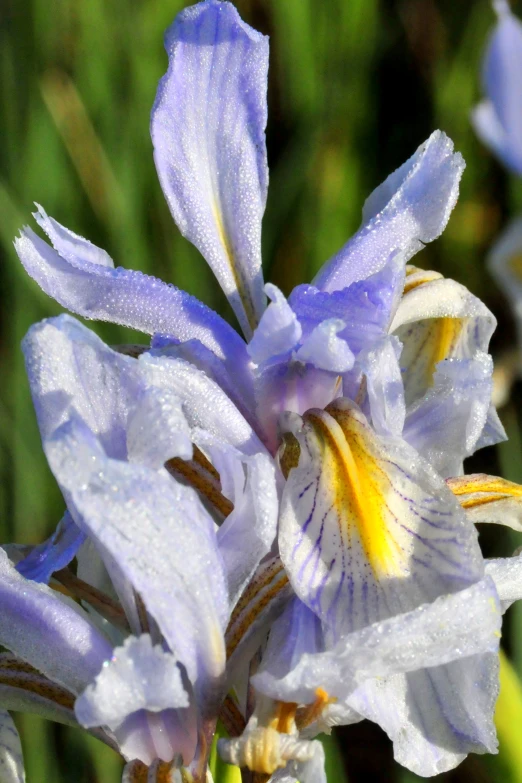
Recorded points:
(426,343)
(242,287)
(358,486)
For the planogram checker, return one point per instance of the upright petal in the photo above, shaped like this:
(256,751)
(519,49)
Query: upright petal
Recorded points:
(367,528)
(278,331)
(160,536)
(409,209)
(208,129)
(96,290)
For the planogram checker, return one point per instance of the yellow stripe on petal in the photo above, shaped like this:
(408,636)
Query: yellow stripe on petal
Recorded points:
(359,487)
(426,343)
(367,528)
(489,499)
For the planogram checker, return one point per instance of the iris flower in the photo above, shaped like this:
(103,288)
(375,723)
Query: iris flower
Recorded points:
(300,483)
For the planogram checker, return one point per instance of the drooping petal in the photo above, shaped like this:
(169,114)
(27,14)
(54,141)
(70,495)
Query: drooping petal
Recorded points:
(452,627)
(205,404)
(139,679)
(367,528)
(435,716)
(278,331)
(11,756)
(55,553)
(409,209)
(157,429)
(489,499)
(47,632)
(498,120)
(437,319)
(446,424)
(159,535)
(208,129)
(238,385)
(380,365)
(126,297)
(69,367)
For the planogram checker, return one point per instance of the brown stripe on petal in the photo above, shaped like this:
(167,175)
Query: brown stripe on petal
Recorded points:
(30,680)
(263,599)
(416,277)
(82,591)
(200,474)
(231,717)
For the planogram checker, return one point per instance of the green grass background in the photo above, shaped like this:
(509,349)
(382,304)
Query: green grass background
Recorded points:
(355,86)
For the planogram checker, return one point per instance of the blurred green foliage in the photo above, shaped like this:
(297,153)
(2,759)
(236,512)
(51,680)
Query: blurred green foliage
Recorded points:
(355,86)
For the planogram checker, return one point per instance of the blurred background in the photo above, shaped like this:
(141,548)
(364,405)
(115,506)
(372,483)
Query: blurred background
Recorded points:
(355,87)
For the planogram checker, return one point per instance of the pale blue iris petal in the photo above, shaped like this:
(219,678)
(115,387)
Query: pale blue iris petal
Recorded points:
(52,635)
(367,528)
(410,208)
(436,716)
(506,572)
(237,385)
(365,307)
(291,386)
(205,404)
(73,248)
(70,368)
(452,627)
(493,431)
(159,534)
(325,350)
(278,332)
(311,771)
(384,386)
(11,755)
(248,533)
(55,553)
(139,677)
(498,121)
(126,297)
(157,429)
(208,129)
(295,634)
(445,425)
